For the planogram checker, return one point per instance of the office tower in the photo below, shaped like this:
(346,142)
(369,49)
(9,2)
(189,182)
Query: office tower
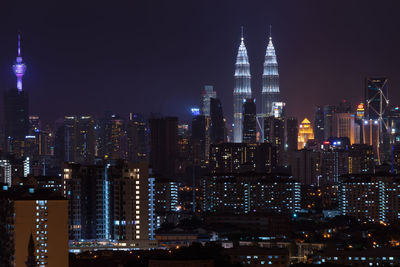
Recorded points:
(376,96)
(250,193)
(217,126)
(241,91)
(358,124)
(200,139)
(368,197)
(371,136)
(291,134)
(206,94)
(343,126)
(306,166)
(319,125)
(328,123)
(361,159)
(305,133)
(249,121)
(163,145)
(78,139)
(36,228)
(242,157)
(377,101)
(137,133)
(270,87)
(274,133)
(360,111)
(184,149)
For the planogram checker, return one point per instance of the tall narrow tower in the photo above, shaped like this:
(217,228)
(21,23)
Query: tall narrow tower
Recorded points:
(19,67)
(270,89)
(241,91)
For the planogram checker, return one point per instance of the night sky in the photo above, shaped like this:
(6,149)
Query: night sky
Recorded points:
(155,56)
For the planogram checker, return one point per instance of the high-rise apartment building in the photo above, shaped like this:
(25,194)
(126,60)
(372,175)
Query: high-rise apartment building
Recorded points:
(109,203)
(244,194)
(369,197)
(35,228)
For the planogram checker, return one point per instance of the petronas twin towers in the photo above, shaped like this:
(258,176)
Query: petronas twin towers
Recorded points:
(242,90)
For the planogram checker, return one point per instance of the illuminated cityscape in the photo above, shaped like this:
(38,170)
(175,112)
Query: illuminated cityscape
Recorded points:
(120,146)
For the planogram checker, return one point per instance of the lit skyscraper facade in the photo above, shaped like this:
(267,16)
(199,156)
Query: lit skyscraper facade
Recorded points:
(377,101)
(270,89)
(242,90)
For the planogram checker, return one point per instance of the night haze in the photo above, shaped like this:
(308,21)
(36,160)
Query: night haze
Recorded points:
(199,133)
(88,57)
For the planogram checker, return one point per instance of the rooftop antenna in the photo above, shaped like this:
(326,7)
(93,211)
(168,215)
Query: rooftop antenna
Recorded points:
(270,32)
(242,34)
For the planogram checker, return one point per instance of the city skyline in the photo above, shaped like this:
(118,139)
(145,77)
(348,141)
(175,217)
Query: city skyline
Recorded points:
(114,50)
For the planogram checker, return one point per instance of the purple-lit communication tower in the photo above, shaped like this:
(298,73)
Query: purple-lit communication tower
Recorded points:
(19,67)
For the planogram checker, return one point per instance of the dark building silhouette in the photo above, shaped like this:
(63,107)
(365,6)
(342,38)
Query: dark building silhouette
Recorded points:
(361,159)
(163,145)
(137,133)
(217,126)
(200,139)
(305,166)
(16,119)
(274,133)
(319,125)
(249,121)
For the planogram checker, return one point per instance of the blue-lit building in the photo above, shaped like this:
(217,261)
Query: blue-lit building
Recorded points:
(241,91)
(270,79)
(109,203)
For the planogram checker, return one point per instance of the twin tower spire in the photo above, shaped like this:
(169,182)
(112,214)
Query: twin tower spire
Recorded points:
(242,90)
